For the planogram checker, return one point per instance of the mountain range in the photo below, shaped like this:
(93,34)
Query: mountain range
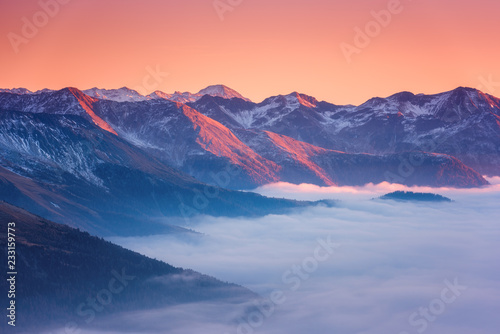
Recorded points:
(126,94)
(62,161)
(295,138)
(111,160)
(463,123)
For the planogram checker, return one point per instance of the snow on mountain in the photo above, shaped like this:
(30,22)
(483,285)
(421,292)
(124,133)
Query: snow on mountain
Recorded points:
(123,94)
(45,90)
(220,141)
(16,91)
(281,138)
(59,102)
(186,139)
(185,97)
(464,102)
(463,122)
(221,91)
(175,97)
(248,118)
(158,94)
(267,113)
(65,101)
(302,99)
(24,91)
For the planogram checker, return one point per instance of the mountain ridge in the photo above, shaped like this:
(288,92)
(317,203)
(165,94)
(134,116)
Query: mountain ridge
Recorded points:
(66,267)
(464,123)
(198,144)
(66,168)
(219,89)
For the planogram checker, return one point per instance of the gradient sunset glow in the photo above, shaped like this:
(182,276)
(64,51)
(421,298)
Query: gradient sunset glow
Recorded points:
(257,47)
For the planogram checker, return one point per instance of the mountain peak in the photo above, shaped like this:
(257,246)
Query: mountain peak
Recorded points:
(471,101)
(19,90)
(404,96)
(461,93)
(74,92)
(86,102)
(303,99)
(463,89)
(123,94)
(221,91)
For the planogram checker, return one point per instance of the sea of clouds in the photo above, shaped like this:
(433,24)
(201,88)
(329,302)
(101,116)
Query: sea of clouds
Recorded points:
(365,266)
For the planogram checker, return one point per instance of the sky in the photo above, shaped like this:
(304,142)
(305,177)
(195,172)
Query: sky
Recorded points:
(388,262)
(343,52)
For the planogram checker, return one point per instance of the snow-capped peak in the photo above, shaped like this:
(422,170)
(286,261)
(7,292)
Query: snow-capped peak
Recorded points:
(221,91)
(305,100)
(158,94)
(126,94)
(45,90)
(292,101)
(16,91)
(455,104)
(123,94)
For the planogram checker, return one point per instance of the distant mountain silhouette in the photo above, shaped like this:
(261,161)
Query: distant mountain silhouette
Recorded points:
(418,197)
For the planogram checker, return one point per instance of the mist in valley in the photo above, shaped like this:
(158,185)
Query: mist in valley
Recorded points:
(364,266)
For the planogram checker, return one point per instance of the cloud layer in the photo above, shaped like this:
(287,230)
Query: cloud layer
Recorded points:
(395,268)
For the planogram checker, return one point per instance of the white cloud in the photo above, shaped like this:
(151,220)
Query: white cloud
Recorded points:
(394,258)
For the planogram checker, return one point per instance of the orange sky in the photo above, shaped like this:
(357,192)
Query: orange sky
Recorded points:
(260,48)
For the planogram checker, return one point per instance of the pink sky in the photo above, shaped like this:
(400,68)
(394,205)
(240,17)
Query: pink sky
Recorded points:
(260,48)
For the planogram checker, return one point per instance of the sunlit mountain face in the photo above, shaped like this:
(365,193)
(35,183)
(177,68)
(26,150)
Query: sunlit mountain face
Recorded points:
(126,94)
(462,123)
(295,138)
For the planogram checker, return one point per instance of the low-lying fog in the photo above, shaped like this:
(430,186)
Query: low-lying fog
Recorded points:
(365,266)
